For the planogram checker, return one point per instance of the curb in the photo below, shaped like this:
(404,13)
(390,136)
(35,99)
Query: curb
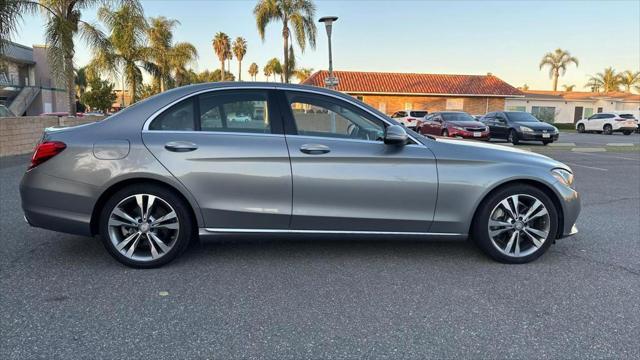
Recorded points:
(587,150)
(620,144)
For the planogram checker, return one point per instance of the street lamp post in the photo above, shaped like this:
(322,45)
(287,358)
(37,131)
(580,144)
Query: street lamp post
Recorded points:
(330,82)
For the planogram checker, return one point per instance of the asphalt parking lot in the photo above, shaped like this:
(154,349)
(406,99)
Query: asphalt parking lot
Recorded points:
(63,296)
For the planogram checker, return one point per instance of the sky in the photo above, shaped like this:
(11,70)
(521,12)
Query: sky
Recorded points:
(506,38)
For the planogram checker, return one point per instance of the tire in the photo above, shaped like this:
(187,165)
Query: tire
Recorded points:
(627,132)
(581,128)
(545,143)
(513,137)
(607,129)
(445,133)
(526,249)
(153,246)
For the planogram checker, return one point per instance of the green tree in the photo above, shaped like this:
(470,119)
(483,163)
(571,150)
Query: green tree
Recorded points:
(222,48)
(267,71)
(63,24)
(125,52)
(302,74)
(628,79)
(239,50)
(568,88)
(275,68)
(557,62)
(80,81)
(608,80)
(298,14)
(253,71)
(100,96)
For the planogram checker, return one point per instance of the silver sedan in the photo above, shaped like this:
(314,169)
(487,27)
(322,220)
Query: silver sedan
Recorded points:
(303,162)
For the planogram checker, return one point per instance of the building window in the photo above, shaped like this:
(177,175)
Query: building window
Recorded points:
(599,110)
(408,106)
(587,112)
(516,108)
(544,113)
(382,107)
(360,97)
(455,104)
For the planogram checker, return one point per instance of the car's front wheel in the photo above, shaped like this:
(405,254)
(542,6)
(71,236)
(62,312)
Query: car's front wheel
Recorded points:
(581,128)
(145,226)
(513,137)
(515,224)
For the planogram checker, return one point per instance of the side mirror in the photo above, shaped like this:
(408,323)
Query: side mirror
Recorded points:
(395,135)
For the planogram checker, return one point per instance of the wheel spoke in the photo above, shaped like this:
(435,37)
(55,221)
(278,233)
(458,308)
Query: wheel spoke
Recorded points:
(116,222)
(159,242)
(116,211)
(133,247)
(536,205)
(493,233)
(507,206)
(154,252)
(540,233)
(140,201)
(507,249)
(126,241)
(496,223)
(169,216)
(517,243)
(150,200)
(172,226)
(536,242)
(542,212)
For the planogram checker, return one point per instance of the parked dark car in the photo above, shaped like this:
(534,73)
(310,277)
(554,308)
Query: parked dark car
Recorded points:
(516,126)
(453,124)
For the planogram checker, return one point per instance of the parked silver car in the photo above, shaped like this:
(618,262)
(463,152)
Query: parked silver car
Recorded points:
(173,168)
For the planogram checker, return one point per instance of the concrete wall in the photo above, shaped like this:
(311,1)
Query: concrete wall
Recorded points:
(19,135)
(565,110)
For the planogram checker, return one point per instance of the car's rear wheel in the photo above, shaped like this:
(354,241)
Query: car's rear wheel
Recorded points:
(627,132)
(515,224)
(607,130)
(513,137)
(145,226)
(581,128)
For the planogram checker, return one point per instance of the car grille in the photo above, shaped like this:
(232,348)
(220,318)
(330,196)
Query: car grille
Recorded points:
(475,129)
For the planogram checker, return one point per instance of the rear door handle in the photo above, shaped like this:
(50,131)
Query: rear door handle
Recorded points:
(180,146)
(314,149)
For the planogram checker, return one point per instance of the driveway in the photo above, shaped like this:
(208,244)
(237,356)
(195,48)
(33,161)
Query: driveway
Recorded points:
(64,297)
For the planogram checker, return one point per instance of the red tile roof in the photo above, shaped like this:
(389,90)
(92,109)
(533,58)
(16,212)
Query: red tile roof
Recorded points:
(415,84)
(580,95)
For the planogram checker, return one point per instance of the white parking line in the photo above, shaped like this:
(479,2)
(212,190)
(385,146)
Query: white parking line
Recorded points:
(585,166)
(620,144)
(608,156)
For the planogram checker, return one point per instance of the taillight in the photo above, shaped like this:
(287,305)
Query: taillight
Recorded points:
(410,119)
(621,119)
(45,151)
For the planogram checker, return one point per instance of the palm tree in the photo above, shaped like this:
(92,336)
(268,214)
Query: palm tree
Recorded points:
(608,80)
(221,46)
(629,78)
(253,71)
(239,50)
(593,85)
(297,13)
(568,88)
(302,73)
(80,81)
(63,24)
(267,71)
(276,68)
(557,61)
(125,52)
(167,57)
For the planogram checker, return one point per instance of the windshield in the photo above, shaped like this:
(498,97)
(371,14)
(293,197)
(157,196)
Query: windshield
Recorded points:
(627,116)
(521,117)
(457,116)
(419,113)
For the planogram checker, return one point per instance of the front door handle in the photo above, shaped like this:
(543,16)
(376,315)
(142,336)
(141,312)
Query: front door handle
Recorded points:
(180,146)
(314,149)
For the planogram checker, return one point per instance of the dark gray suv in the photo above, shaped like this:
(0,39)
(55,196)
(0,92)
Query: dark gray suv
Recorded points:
(264,158)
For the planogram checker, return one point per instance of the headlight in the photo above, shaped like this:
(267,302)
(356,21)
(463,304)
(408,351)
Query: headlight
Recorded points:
(525,129)
(563,175)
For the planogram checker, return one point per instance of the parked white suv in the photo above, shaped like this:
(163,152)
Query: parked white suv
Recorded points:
(410,118)
(608,123)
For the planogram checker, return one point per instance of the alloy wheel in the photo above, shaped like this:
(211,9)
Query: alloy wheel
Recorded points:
(143,227)
(519,225)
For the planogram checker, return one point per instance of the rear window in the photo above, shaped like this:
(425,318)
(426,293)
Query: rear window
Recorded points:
(419,113)
(627,116)
(457,117)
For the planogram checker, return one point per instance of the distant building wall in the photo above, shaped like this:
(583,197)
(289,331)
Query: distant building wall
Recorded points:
(389,104)
(53,96)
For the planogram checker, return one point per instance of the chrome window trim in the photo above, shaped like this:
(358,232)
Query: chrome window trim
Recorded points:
(235,133)
(343,139)
(293,231)
(354,102)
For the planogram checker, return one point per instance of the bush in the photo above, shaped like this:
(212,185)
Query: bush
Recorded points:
(565,126)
